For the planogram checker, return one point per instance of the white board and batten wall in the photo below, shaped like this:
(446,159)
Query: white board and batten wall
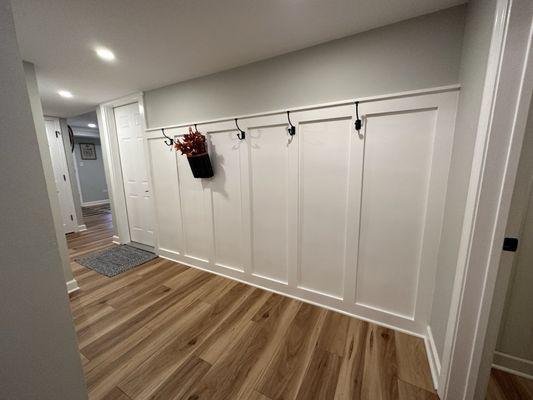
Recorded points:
(346,220)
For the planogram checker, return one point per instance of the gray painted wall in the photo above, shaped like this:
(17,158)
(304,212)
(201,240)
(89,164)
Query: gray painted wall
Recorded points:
(414,54)
(38,120)
(479,22)
(91,172)
(39,354)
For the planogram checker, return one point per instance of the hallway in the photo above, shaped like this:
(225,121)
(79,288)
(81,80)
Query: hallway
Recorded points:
(166,331)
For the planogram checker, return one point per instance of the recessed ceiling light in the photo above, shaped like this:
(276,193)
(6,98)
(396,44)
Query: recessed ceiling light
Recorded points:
(105,54)
(65,93)
(91,125)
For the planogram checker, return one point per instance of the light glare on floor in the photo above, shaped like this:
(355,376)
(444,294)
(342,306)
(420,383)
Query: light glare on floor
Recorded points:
(91,125)
(105,54)
(65,93)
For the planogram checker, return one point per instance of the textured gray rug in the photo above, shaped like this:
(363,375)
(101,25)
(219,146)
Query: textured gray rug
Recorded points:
(116,260)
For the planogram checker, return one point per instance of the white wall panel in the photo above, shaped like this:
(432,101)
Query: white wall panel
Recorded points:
(348,220)
(225,153)
(166,196)
(269,175)
(324,173)
(397,166)
(195,208)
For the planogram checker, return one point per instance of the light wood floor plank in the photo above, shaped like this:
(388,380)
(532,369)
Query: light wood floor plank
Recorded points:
(166,331)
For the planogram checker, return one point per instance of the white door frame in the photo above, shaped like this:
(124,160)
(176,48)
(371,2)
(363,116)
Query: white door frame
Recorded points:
(112,166)
(502,119)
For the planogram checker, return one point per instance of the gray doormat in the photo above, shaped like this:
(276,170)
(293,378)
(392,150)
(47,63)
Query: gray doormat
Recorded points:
(116,260)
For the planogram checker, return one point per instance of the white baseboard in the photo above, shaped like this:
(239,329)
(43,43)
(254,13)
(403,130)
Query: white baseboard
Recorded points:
(72,286)
(94,203)
(512,364)
(433,357)
(81,228)
(116,239)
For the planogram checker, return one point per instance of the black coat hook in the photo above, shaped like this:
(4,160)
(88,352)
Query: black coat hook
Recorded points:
(242,134)
(357,121)
(168,141)
(291,129)
(195,128)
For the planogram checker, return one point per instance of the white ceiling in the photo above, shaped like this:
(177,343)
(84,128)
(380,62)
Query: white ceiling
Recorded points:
(159,42)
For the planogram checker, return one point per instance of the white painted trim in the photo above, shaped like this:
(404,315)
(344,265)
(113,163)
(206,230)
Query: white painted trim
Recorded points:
(433,357)
(410,93)
(95,203)
(72,286)
(512,371)
(508,87)
(516,365)
(81,228)
(266,284)
(116,240)
(75,162)
(519,359)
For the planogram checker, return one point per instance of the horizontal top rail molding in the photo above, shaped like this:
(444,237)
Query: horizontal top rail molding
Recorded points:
(362,100)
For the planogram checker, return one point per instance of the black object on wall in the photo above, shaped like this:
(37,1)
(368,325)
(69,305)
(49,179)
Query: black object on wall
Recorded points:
(201,165)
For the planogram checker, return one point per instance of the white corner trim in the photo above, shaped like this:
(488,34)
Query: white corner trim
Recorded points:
(81,228)
(433,357)
(72,286)
(116,239)
(94,203)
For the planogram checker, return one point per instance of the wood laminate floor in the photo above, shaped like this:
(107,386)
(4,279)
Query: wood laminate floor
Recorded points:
(506,386)
(166,331)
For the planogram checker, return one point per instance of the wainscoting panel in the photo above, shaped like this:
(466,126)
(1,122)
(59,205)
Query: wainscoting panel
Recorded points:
(227,198)
(345,219)
(166,197)
(324,177)
(195,197)
(269,180)
(398,153)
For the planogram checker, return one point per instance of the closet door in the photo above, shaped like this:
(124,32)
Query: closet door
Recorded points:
(61,175)
(135,173)
(330,164)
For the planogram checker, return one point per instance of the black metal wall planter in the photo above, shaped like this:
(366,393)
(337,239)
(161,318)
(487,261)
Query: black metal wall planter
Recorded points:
(194,147)
(200,165)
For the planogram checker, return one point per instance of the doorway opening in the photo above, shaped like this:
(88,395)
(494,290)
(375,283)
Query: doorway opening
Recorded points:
(512,363)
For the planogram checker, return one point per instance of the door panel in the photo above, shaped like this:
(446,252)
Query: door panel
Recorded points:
(135,174)
(61,175)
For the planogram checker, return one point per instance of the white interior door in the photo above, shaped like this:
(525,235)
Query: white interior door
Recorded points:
(61,175)
(135,173)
